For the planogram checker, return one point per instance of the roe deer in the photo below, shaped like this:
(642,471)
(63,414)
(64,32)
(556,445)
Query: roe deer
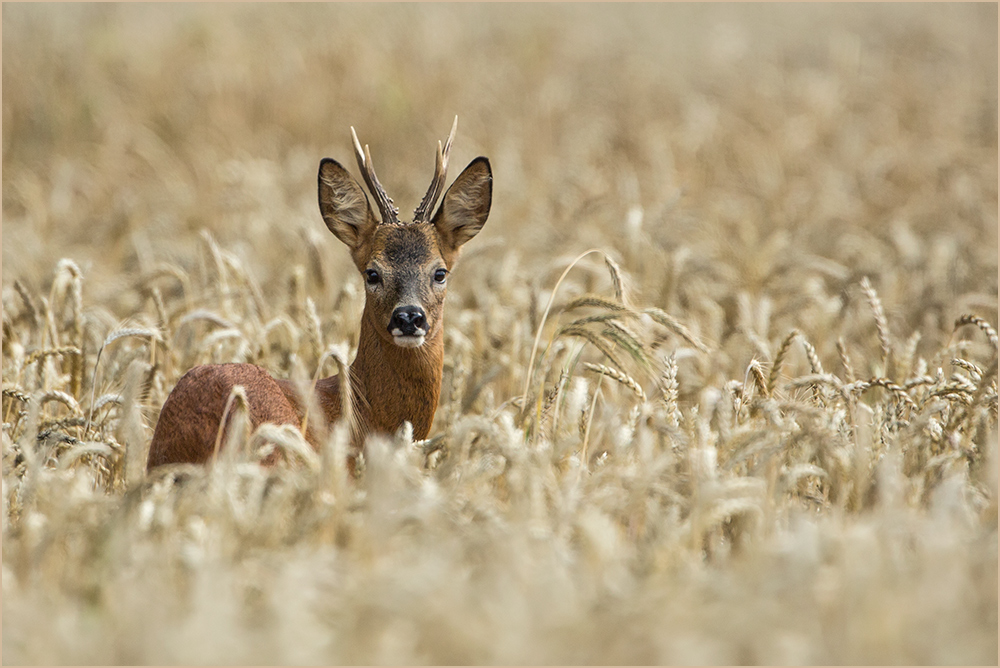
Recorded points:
(396,374)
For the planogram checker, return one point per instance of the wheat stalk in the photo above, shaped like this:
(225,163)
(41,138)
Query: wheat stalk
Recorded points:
(669,387)
(970,319)
(237,398)
(17,393)
(897,391)
(61,423)
(973,369)
(756,371)
(596,301)
(881,324)
(552,400)
(620,376)
(845,360)
(29,302)
(40,355)
(779,358)
(210,316)
(59,396)
(676,326)
(588,418)
(151,334)
(548,307)
(811,355)
(67,271)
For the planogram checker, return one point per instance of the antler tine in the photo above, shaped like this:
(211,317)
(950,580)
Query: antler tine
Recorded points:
(390,214)
(426,207)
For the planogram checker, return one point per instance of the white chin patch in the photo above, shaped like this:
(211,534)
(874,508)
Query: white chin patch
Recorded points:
(414,341)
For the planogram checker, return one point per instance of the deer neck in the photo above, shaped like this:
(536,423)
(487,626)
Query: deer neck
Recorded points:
(392,384)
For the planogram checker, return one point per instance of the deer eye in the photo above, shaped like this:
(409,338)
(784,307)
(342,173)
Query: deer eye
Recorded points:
(372,277)
(440,275)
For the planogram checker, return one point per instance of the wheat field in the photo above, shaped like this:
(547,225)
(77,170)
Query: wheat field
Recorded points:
(720,371)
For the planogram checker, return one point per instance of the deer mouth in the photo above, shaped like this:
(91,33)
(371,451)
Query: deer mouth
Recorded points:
(408,340)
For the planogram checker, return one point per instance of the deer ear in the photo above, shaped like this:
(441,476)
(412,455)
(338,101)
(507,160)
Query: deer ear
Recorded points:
(466,205)
(343,204)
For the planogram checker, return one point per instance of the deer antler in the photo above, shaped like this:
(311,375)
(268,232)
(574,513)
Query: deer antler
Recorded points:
(426,208)
(390,214)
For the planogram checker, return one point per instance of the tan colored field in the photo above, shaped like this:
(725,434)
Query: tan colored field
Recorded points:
(793,458)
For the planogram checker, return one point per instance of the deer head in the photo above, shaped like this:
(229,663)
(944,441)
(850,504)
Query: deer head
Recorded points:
(405,265)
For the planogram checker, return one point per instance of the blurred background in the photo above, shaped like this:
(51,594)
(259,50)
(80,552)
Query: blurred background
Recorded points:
(732,128)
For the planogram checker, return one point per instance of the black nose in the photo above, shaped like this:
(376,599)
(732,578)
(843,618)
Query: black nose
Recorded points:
(406,320)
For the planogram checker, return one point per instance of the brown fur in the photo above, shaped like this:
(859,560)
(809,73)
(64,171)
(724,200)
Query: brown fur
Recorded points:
(389,383)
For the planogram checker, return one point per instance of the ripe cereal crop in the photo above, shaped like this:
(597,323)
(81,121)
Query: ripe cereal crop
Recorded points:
(720,371)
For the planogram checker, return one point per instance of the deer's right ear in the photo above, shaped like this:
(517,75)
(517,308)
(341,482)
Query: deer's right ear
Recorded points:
(343,204)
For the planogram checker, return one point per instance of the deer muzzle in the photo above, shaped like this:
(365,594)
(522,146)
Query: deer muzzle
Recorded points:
(408,326)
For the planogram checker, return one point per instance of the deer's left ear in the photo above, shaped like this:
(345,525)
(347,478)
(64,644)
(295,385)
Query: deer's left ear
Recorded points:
(466,205)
